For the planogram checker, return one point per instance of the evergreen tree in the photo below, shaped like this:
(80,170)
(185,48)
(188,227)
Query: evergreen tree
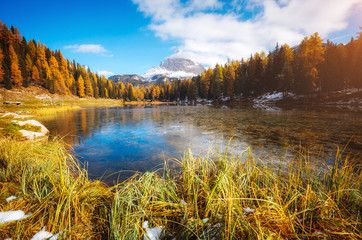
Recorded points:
(257,83)
(218,80)
(5,42)
(286,77)
(357,79)
(270,74)
(229,79)
(332,69)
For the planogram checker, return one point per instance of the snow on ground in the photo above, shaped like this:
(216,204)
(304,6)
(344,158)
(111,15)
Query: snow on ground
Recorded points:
(153,233)
(224,99)
(10,216)
(42,234)
(353,104)
(10,198)
(262,101)
(356,101)
(247,211)
(269,97)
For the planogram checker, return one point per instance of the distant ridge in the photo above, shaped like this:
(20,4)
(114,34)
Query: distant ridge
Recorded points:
(135,79)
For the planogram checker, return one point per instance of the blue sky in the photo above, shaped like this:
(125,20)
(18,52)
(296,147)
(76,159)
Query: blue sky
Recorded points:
(131,36)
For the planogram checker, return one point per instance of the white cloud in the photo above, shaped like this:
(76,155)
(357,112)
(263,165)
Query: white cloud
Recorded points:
(105,73)
(212,31)
(204,4)
(87,48)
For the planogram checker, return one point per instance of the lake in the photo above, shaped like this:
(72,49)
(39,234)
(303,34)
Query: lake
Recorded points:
(140,138)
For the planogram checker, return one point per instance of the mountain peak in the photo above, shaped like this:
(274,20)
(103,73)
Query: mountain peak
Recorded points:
(175,67)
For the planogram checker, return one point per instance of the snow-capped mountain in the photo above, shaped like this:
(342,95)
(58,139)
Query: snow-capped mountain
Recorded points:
(174,68)
(129,78)
(126,77)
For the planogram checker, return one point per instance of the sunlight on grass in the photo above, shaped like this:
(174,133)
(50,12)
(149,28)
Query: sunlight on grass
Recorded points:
(215,197)
(42,111)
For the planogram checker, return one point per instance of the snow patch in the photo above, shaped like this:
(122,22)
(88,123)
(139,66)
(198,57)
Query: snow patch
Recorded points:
(10,198)
(42,235)
(225,99)
(247,211)
(269,97)
(153,233)
(10,216)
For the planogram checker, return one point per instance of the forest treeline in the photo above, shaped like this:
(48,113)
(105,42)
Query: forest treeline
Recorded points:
(25,62)
(310,67)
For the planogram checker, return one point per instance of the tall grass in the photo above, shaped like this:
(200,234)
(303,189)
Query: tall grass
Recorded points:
(50,184)
(49,110)
(214,197)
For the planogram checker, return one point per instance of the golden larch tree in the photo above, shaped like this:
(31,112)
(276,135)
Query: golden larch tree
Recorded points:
(59,85)
(16,76)
(80,86)
(35,76)
(1,65)
(88,87)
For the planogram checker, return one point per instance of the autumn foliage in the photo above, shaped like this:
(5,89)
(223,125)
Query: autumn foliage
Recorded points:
(312,67)
(25,62)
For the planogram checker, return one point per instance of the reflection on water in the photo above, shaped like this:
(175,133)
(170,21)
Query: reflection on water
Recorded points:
(141,138)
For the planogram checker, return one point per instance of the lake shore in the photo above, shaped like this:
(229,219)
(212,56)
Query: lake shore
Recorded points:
(222,197)
(34,94)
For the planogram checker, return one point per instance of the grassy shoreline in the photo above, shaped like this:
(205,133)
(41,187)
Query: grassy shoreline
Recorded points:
(219,197)
(34,108)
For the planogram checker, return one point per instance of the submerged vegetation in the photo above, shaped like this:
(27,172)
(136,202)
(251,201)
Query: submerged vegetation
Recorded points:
(215,197)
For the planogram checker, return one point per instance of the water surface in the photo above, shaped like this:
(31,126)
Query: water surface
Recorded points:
(140,138)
